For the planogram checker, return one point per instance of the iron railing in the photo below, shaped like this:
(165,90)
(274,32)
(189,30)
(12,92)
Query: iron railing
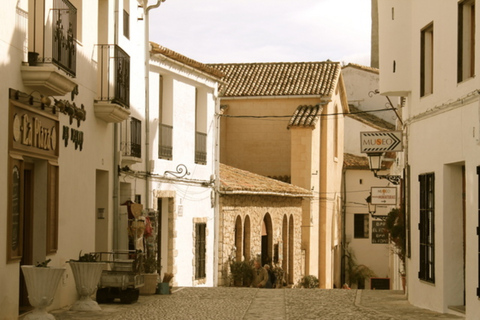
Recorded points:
(64,34)
(113,75)
(165,145)
(131,138)
(200,148)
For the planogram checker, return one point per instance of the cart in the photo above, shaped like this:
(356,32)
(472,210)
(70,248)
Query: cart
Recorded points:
(122,279)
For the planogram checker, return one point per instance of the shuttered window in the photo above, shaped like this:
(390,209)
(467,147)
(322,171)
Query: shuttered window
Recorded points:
(427,227)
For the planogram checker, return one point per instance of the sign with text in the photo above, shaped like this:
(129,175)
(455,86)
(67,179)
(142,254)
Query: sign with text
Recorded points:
(381,141)
(384,195)
(378,231)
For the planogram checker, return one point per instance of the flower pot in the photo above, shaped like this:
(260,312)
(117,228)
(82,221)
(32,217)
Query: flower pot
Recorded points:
(32,58)
(41,286)
(87,275)
(150,283)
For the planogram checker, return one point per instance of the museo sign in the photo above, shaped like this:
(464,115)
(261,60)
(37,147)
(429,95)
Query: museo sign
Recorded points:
(381,141)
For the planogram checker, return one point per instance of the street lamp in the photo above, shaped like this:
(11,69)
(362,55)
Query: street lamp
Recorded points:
(375,164)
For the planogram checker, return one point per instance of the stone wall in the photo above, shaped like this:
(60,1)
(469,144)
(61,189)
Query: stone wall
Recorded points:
(256,208)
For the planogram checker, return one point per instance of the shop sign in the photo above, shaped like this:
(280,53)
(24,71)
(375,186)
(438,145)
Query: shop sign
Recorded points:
(34,132)
(384,195)
(378,232)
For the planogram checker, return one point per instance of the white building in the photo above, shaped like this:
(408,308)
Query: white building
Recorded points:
(58,137)
(428,55)
(184,136)
(364,234)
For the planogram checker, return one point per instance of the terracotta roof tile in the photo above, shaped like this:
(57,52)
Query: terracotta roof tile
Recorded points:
(158,49)
(351,161)
(370,119)
(362,67)
(237,181)
(305,116)
(278,78)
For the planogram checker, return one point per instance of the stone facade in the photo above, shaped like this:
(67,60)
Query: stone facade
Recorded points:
(280,215)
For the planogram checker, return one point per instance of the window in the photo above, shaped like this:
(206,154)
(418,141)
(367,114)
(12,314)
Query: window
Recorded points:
(126,24)
(131,138)
(165,141)
(426,62)
(200,249)
(360,226)
(427,227)
(126,19)
(200,127)
(136,138)
(466,40)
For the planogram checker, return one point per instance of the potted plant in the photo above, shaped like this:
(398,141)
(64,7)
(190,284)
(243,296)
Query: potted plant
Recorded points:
(87,272)
(164,286)
(308,282)
(42,282)
(395,227)
(150,275)
(236,270)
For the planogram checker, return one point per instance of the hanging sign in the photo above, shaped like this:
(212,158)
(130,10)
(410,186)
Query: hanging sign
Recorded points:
(384,195)
(381,141)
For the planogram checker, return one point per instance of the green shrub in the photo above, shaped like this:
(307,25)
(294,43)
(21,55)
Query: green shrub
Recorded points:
(308,282)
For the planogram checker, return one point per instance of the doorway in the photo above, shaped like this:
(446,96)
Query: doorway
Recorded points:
(267,241)
(27,244)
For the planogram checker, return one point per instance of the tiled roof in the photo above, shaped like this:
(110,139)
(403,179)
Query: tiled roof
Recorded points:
(158,49)
(305,116)
(370,119)
(236,181)
(359,66)
(278,78)
(351,161)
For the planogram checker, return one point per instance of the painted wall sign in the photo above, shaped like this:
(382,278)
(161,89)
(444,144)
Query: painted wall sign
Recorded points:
(384,195)
(381,141)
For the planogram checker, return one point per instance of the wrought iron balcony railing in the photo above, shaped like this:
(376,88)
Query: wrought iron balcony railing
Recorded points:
(200,148)
(113,75)
(64,34)
(54,41)
(131,138)
(165,145)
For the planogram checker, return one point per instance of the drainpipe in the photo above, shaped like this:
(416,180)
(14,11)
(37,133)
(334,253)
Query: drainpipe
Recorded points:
(116,159)
(146,10)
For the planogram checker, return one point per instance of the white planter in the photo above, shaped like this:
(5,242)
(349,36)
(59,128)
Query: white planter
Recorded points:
(87,275)
(41,286)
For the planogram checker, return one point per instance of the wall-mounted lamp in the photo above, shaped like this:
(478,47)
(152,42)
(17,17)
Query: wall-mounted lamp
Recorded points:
(372,208)
(375,164)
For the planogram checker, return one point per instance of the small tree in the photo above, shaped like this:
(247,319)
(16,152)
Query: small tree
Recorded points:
(356,272)
(395,227)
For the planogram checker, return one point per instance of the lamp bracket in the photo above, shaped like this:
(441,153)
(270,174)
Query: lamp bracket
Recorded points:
(391,178)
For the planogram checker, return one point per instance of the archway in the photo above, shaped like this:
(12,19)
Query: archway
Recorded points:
(246,239)
(238,238)
(285,243)
(267,240)
(291,251)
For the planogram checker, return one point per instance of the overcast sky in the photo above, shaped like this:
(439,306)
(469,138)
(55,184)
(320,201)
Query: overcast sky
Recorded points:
(212,31)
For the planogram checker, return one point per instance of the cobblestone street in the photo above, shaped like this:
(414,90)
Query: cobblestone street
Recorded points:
(247,303)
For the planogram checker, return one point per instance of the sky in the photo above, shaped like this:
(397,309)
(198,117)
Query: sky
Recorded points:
(233,31)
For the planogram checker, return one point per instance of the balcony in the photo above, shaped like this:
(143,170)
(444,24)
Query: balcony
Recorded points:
(165,146)
(200,148)
(52,61)
(113,85)
(131,141)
